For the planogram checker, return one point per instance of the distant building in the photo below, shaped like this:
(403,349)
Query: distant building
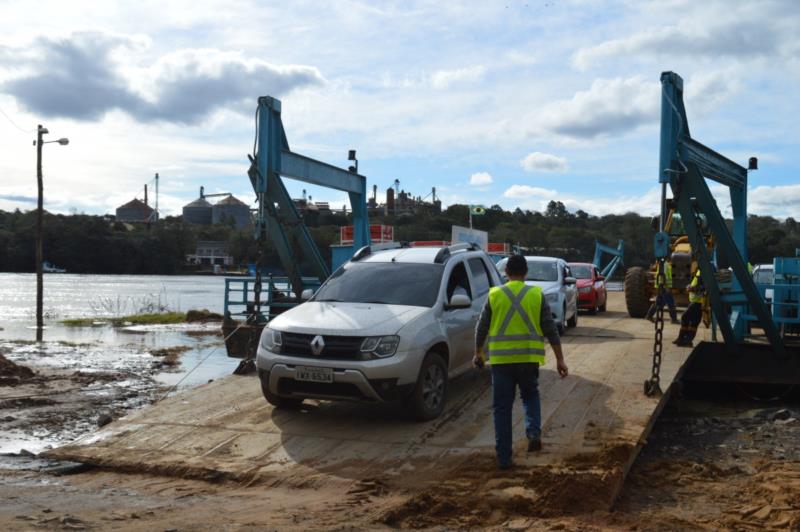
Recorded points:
(211,252)
(198,212)
(135,211)
(231,209)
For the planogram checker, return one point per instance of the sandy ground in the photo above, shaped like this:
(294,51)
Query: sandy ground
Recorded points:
(709,464)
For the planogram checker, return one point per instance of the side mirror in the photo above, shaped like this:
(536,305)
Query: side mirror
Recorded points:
(459,301)
(306,294)
(570,280)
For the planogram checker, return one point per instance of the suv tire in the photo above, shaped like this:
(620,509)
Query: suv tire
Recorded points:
(573,321)
(276,400)
(430,393)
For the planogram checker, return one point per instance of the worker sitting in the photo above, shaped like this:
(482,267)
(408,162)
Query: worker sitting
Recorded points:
(666,298)
(694,312)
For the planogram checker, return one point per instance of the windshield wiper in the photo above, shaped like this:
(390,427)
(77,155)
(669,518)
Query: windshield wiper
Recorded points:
(332,300)
(377,302)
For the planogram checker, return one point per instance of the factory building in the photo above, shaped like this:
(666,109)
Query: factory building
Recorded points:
(231,209)
(135,211)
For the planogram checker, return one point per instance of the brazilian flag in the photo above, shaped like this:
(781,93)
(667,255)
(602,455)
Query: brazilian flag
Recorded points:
(477,210)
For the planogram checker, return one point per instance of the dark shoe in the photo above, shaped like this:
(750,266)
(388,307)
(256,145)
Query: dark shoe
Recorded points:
(651,319)
(684,344)
(505,465)
(534,444)
(676,342)
(675,321)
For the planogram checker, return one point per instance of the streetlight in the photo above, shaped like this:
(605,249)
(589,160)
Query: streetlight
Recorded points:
(39,215)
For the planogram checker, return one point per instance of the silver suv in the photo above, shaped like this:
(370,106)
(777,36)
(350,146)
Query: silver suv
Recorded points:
(388,325)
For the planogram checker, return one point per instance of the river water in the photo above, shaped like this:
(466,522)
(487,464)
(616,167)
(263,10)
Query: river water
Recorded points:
(103,348)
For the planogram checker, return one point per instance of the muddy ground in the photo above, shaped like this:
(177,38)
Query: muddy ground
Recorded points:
(715,460)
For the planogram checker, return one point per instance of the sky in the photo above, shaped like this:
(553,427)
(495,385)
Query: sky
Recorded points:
(514,103)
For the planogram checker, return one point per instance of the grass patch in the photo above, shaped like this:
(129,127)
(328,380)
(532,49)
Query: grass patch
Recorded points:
(159,318)
(154,318)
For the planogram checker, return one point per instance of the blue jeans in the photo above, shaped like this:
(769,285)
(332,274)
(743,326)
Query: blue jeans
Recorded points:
(505,379)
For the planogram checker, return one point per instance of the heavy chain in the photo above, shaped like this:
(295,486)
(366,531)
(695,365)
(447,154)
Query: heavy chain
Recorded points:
(652,386)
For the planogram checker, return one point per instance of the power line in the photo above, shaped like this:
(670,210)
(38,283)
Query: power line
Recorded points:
(14,123)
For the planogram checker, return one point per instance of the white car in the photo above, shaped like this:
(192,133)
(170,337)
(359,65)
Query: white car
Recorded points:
(388,325)
(553,276)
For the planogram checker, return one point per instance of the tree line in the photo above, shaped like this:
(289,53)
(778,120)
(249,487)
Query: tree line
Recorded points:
(97,244)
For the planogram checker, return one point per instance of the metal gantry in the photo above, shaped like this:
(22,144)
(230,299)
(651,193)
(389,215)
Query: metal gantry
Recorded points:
(684,166)
(277,216)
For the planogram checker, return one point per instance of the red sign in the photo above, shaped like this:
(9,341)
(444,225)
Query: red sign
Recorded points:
(378,234)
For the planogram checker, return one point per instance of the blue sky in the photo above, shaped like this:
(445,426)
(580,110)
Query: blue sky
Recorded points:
(512,103)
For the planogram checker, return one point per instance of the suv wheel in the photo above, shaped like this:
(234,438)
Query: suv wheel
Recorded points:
(276,400)
(573,321)
(430,393)
(563,325)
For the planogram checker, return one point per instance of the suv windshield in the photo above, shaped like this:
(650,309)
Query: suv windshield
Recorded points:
(542,271)
(392,283)
(581,272)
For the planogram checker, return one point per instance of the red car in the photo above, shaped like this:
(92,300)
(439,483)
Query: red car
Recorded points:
(591,287)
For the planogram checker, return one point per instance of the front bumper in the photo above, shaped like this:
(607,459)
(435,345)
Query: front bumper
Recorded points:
(379,380)
(587,301)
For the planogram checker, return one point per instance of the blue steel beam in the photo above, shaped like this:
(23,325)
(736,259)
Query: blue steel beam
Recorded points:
(277,215)
(685,164)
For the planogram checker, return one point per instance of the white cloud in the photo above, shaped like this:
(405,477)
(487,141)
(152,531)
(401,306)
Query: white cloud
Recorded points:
(608,107)
(780,201)
(442,79)
(481,179)
(527,191)
(544,162)
(713,30)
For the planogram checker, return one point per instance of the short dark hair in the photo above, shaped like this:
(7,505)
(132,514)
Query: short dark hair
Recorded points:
(516,265)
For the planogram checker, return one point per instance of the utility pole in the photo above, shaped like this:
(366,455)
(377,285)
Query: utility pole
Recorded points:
(41,131)
(39,253)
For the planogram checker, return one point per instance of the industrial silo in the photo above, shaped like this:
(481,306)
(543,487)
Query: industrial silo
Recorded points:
(198,212)
(229,210)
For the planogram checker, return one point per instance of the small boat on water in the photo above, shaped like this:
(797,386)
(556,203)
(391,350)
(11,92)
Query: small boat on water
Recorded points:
(49,267)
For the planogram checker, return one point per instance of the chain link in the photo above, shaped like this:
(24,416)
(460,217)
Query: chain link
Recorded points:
(652,386)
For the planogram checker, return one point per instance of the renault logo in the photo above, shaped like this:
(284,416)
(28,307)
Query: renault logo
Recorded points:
(317,345)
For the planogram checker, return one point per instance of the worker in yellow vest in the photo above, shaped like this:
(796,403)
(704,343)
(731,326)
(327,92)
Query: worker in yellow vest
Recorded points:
(694,312)
(667,299)
(516,319)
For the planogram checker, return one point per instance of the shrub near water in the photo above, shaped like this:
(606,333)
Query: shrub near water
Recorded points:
(156,318)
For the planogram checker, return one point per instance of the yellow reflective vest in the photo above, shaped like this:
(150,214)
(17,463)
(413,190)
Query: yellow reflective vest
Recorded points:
(667,275)
(695,296)
(515,332)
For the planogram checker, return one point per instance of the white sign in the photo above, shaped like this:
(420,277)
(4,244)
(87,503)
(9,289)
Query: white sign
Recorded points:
(470,236)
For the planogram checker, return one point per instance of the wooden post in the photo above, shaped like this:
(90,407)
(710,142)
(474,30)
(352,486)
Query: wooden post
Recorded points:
(39,253)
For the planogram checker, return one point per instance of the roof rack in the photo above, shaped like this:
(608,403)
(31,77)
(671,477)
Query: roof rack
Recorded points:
(445,252)
(361,253)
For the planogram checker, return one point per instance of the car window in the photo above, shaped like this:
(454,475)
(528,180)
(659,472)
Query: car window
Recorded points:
(394,283)
(581,272)
(539,270)
(480,276)
(763,276)
(458,283)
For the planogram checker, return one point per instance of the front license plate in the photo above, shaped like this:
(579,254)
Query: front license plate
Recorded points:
(310,374)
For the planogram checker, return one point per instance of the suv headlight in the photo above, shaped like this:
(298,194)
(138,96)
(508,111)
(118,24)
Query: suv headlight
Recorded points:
(551,298)
(271,340)
(380,346)
(585,289)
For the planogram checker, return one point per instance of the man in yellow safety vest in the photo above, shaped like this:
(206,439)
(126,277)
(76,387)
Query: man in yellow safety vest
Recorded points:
(694,312)
(667,299)
(516,319)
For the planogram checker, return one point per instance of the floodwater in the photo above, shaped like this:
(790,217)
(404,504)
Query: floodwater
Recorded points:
(103,348)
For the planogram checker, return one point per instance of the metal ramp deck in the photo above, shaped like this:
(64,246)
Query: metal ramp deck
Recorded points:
(226,430)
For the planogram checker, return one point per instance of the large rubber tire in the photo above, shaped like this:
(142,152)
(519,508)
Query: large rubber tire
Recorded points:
(637,296)
(276,400)
(430,393)
(573,321)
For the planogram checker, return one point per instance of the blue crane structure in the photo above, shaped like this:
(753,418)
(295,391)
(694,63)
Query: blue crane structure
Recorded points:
(278,220)
(616,253)
(684,166)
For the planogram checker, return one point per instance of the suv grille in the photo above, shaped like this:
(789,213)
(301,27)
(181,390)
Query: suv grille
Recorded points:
(336,347)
